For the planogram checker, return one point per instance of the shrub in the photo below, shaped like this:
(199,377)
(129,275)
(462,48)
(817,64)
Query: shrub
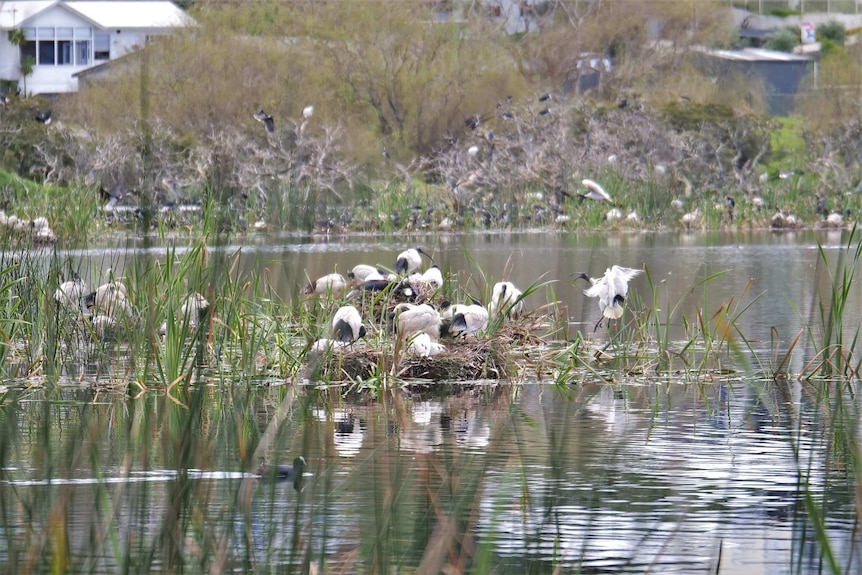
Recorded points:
(833,31)
(784,41)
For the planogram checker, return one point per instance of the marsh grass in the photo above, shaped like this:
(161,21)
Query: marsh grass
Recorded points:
(441,509)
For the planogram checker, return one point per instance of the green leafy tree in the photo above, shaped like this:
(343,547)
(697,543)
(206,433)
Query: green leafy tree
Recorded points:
(18,38)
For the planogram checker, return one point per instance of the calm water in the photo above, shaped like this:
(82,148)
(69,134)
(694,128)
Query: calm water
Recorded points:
(650,473)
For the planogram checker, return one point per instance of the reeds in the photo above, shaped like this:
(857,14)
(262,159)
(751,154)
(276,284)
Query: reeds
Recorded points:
(147,467)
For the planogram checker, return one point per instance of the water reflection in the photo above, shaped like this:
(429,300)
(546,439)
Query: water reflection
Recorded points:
(605,478)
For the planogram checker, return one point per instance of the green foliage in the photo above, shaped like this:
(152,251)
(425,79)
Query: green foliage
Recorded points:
(21,134)
(833,31)
(781,12)
(784,41)
(17,37)
(786,139)
(691,115)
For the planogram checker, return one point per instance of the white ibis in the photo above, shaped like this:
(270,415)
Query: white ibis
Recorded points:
(596,191)
(506,298)
(468,320)
(413,319)
(109,299)
(347,325)
(70,292)
(333,284)
(422,345)
(611,289)
(409,260)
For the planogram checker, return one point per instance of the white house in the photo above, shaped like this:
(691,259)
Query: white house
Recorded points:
(67,37)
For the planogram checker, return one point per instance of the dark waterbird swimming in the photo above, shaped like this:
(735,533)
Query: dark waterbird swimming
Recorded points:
(279,473)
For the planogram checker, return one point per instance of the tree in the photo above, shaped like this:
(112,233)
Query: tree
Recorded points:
(18,38)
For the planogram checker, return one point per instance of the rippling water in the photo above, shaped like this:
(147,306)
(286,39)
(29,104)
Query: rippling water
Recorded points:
(646,473)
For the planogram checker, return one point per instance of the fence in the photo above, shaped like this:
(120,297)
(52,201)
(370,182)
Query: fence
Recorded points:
(801,6)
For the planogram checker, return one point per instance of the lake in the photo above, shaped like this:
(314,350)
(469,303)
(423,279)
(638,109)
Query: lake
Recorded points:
(721,468)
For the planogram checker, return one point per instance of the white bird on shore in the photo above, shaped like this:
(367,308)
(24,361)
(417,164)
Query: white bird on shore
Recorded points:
(611,289)
(329,284)
(307,112)
(413,319)
(409,260)
(504,295)
(347,325)
(690,219)
(70,292)
(422,345)
(596,192)
(109,299)
(431,278)
(361,272)
(469,320)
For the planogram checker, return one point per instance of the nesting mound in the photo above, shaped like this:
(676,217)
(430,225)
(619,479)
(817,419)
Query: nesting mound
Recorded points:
(463,360)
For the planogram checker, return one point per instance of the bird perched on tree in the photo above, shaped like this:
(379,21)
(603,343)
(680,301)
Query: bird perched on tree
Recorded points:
(611,289)
(266,119)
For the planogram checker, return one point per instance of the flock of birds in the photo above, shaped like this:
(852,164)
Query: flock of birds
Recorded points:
(420,324)
(37,230)
(109,308)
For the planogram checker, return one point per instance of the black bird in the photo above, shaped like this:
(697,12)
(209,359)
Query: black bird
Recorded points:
(267,120)
(473,122)
(821,206)
(545,112)
(544,97)
(281,473)
(622,103)
(508,116)
(44,117)
(731,204)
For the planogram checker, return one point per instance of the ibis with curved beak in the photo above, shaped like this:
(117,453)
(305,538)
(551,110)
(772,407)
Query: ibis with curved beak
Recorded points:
(611,289)
(347,325)
(409,260)
(506,298)
(329,284)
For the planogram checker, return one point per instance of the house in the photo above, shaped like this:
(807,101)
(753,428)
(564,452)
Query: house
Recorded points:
(63,38)
(780,72)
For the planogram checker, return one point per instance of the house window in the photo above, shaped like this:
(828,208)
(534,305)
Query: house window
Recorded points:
(101,46)
(46,46)
(82,52)
(64,46)
(29,47)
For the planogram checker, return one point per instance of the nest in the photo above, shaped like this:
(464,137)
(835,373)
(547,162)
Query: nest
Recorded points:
(463,360)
